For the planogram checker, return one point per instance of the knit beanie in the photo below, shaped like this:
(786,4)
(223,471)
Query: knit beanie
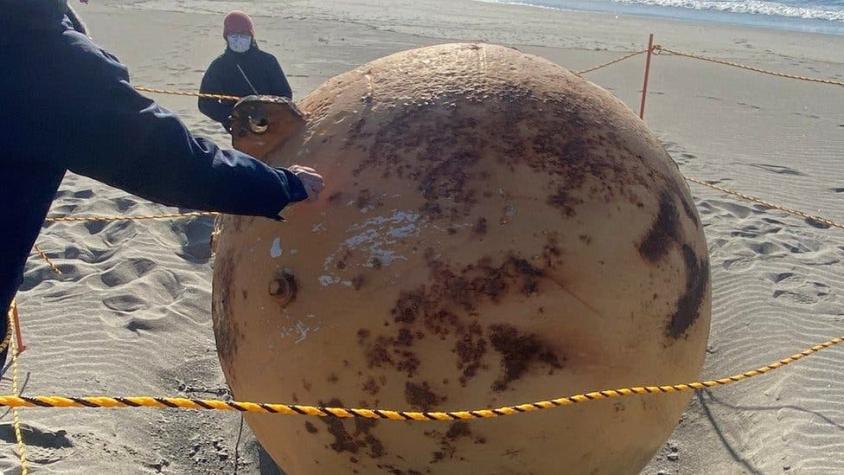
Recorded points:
(238,22)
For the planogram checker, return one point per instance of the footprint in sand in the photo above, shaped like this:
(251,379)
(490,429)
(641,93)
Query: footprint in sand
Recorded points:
(136,325)
(44,274)
(195,237)
(777,169)
(125,303)
(683,158)
(738,263)
(745,104)
(780,277)
(795,289)
(795,297)
(127,271)
(42,446)
(124,204)
(61,210)
(716,243)
(750,232)
(816,224)
(119,232)
(821,288)
(735,209)
(94,227)
(72,252)
(764,248)
(798,248)
(83,194)
(773,221)
(711,98)
(754,231)
(88,254)
(804,293)
(705,208)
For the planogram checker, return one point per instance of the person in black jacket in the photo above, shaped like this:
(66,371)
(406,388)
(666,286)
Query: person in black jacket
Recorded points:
(242,70)
(67,105)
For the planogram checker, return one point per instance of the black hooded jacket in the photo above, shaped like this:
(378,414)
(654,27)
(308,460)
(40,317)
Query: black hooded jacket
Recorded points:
(236,74)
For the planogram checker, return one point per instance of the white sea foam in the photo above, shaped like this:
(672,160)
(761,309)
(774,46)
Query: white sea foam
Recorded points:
(829,10)
(807,10)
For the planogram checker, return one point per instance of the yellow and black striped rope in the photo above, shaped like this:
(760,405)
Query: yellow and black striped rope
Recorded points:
(345,413)
(193,214)
(43,255)
(107,218)
(662,49)
(768,204)
(11,317)
(610,63)
(170,92)
(656,49)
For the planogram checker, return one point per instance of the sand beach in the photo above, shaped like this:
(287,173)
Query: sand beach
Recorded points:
(130,312)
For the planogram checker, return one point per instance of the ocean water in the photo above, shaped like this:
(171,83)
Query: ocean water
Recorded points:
(821,16)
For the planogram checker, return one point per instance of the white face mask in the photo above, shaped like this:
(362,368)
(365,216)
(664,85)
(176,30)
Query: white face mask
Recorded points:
(239,43)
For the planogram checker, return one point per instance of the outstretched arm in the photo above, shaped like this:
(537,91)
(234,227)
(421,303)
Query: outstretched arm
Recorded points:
(128,141)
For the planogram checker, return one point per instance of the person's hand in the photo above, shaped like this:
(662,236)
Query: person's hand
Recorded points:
(311,180)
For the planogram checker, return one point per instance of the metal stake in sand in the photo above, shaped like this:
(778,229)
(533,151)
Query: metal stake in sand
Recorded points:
(647,72)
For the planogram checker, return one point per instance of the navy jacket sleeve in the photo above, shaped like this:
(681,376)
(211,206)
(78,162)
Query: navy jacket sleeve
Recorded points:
(278,81)
(128,141)
(213,108)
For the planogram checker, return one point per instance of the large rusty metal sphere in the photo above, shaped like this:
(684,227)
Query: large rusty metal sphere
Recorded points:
(495,230)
